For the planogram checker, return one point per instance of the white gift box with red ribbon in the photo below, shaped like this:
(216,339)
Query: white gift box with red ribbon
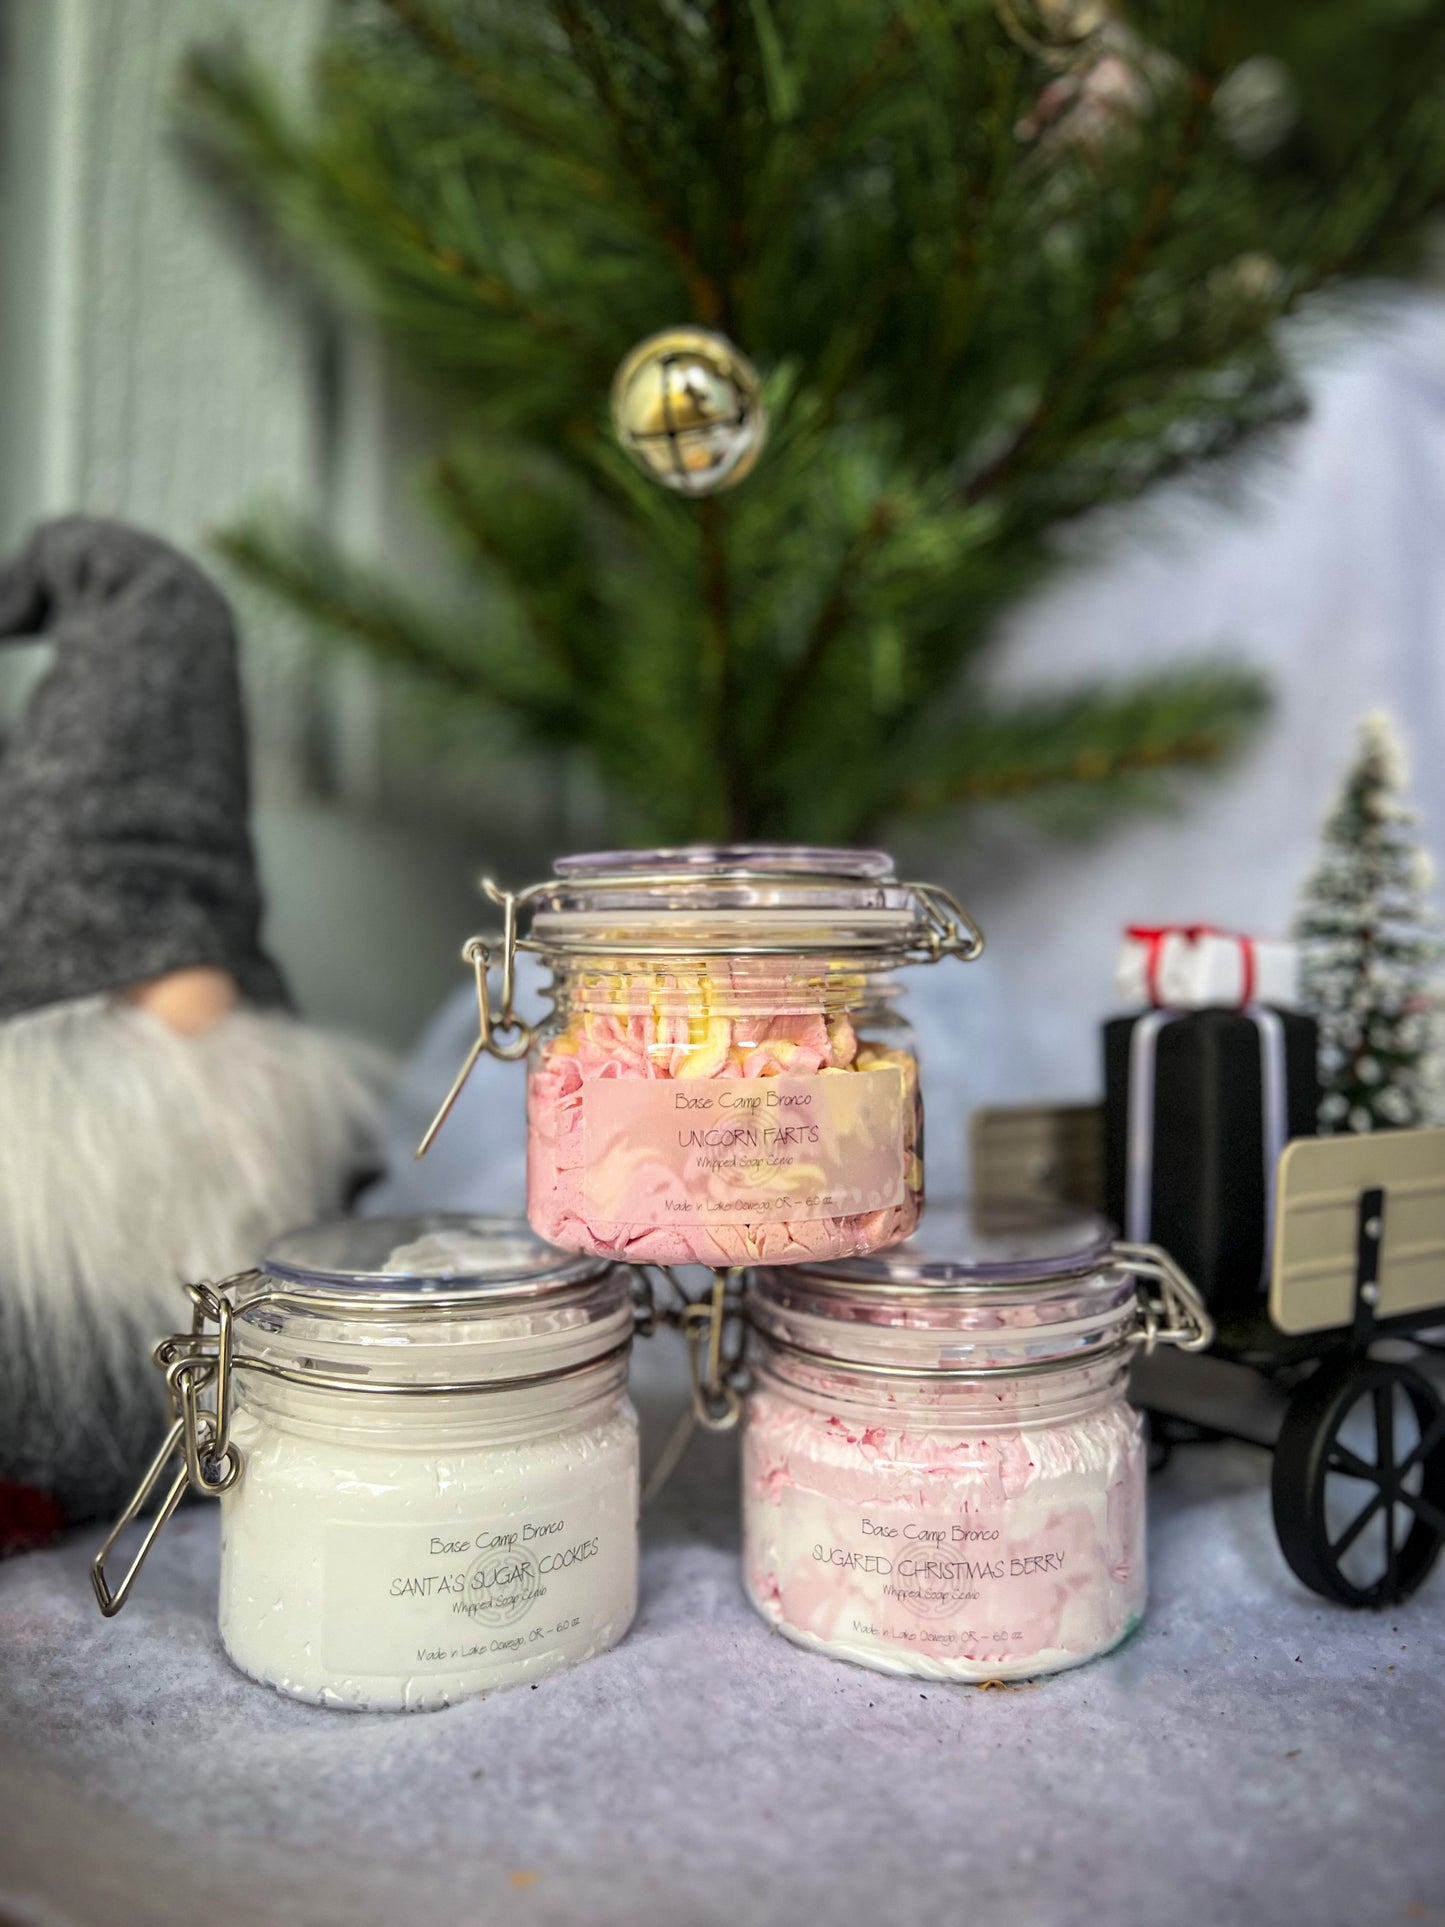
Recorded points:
(1196,967)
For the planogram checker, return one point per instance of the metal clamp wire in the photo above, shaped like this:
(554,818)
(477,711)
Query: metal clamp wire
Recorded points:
(717,1399)
(197,1360)
(110,1602)
(1186,1324)
(949,931)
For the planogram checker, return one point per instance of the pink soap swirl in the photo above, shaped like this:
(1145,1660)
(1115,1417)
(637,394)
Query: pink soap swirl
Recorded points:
(659,1040)
(949,1549)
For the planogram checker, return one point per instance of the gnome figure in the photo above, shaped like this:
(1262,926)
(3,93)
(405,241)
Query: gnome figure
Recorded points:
(163,1113)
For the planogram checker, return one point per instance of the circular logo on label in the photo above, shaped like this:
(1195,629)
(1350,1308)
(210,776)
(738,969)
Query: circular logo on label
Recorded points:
(946,1578)
(931,1596)
(502,1583)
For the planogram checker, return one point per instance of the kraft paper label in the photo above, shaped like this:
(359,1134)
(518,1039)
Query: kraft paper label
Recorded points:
(419,1598)
(760,1150)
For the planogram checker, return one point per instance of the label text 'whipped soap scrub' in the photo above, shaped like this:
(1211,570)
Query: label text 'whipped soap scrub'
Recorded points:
(941,1473)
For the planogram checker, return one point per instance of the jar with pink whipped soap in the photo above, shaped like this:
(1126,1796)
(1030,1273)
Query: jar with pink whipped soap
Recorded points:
(942,1474)
(725,1078)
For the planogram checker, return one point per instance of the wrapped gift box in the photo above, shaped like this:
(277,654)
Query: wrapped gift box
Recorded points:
(1179,967)
(1211,1090)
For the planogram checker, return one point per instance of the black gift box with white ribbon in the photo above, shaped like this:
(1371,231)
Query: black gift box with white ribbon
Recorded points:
(1197,1106)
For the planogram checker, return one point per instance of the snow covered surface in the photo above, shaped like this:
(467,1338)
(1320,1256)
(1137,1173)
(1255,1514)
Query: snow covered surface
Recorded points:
(1251,1756)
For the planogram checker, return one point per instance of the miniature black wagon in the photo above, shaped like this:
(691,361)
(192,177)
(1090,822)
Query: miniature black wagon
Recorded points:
(1331,1369)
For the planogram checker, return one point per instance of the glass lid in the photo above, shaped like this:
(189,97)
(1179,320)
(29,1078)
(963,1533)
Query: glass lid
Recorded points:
(969,1247)
(728,877)
(734,898)
(1035,1275)
(714,859)
(436,1298)
(434,1259)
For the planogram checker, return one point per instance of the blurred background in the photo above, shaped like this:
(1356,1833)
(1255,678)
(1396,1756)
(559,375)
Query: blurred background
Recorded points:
(164,361)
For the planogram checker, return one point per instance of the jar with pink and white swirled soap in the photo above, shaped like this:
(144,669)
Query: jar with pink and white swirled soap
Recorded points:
(726,1077)
(942,1474)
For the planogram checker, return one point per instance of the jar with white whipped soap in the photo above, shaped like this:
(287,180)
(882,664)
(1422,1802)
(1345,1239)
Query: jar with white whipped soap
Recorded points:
(420,1436)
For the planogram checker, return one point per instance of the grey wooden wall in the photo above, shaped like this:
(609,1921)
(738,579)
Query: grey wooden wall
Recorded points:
(148,370)
(156,366)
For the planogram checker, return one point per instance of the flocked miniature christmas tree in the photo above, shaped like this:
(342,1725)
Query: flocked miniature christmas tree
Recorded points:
(1369,949)
(997,262)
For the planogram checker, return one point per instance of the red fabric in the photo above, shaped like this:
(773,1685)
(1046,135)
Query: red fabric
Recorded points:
(1246,963)
(1152,937)
(29,1519)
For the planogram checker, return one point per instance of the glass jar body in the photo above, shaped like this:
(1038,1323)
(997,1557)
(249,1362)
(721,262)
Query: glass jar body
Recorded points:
(723,1112)
(988,1529)
(387,1552)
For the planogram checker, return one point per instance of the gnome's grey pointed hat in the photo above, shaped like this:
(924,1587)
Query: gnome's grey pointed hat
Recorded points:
(125,850)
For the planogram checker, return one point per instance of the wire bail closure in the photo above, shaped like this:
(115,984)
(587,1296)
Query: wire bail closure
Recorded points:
(1171,1312)
(715,1367)
(199,1360)
(493,1033)
(199,1436)
(1175,1313)
(947,930)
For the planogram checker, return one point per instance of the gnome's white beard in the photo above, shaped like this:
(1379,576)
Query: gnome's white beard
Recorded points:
(133,1158)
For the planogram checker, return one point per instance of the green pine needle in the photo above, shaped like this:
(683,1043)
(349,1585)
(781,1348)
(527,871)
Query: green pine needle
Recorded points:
(989,288)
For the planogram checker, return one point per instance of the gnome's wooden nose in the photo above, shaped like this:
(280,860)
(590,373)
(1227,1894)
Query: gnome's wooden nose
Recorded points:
(189,1001)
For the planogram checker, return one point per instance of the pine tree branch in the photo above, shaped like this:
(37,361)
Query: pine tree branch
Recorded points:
(1089,739)
(1356,256)
(437,35)
(829,623)
(1123,277)
(980,192)
(302,570)
(467,512)
(703,291)
(894,42)
(1089,768)
(818,141)
(489,289)
(729,161)
(784,662)
(233,122)
(717,604)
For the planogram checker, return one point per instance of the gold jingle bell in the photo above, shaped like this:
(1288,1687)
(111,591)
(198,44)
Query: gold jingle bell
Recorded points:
(688,408)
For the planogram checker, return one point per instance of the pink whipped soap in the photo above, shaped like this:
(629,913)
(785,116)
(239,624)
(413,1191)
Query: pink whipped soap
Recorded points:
(732,1140)
(996,1552)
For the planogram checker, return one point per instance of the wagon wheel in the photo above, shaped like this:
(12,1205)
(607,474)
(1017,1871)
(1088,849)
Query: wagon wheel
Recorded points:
(1359,1481)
